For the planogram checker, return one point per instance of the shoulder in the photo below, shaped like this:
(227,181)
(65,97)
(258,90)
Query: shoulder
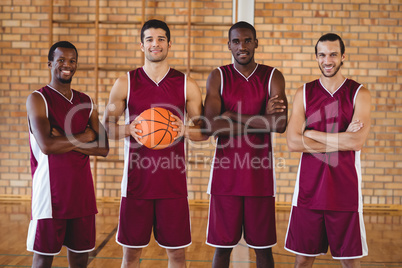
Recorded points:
(214,78)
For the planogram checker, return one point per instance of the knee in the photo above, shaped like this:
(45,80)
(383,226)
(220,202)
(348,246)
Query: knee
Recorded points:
(131,256)
(303,261)
(176,255)
(350,263)
(223,252)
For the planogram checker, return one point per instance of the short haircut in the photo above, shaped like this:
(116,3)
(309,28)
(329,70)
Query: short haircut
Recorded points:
(331,37)
(243,24)
(65,44)
(156,24)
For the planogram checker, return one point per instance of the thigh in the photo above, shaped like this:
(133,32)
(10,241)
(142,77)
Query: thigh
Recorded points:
(346,234)
(306,234)
(135,222)
(225,221)
(46,236)
(259,222)
(172,223)
(80,234)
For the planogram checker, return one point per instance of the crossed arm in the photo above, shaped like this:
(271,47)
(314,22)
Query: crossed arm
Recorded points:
(312,141)
(231,123)
(93,141)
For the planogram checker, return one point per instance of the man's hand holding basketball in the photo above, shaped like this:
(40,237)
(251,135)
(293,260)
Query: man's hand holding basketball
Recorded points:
(180,127)
(134,132)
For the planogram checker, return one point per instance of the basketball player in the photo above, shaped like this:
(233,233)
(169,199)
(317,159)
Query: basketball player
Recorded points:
(329,124)
(153,197)
(245,102)
(64,130)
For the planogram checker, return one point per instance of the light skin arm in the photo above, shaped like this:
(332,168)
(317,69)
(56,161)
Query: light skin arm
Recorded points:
(294,134)
(352,139)
(115,108)
(312,141)
(42,130)
(194,109)
(275,117)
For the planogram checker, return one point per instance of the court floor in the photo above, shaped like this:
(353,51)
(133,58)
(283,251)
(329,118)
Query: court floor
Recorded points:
(384,237)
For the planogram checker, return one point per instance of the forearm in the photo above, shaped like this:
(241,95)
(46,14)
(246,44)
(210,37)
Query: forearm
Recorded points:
(261,123)
(297,142)
(343,141)
(94,148)
(223,126)
(116,131)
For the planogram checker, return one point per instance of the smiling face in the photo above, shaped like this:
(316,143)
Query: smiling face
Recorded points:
(155,44)
(64,65)
(242,43)
(329,57)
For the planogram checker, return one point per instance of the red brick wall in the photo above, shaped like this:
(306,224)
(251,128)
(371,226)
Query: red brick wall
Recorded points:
(287,31)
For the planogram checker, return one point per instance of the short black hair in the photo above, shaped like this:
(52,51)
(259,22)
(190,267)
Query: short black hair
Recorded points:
(331,37)
(243,24)
(65,44)
(156,24)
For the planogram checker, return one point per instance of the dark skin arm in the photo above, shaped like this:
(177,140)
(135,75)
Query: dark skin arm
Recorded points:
(230,123)
(51,141)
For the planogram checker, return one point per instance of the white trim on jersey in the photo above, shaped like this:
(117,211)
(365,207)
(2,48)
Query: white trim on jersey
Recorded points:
(297,184)
(332,94)
(44,99)
(247,78)
(156,83)
(211,172)
(272,134)
(92,106)
(304,98)
(41,195)
(69,100)
(359,180)
(124,180)
(270,81)
(220,70)
(354,98)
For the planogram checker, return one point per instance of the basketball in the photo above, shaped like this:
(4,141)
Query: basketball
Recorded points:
(157,130)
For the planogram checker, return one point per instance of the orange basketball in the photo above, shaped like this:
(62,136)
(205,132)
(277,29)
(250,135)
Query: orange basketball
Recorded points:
(157,130)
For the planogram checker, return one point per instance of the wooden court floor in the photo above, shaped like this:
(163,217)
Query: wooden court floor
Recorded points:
(384,236)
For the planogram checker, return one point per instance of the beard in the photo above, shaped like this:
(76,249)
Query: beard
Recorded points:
(65,81)
(244,63)
(336,70)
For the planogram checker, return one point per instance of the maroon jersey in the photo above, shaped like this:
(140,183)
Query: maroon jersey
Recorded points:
(148,173)
(62,186)
(243,164)
(329,181)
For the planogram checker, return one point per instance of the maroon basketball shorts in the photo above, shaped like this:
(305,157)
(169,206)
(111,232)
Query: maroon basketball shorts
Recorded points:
(47,236)
(170,219)
(310,232)
(229,215)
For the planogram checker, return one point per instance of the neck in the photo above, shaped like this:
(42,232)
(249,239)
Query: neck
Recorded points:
(332,83)
(62,88)
(246,70)
(156,70)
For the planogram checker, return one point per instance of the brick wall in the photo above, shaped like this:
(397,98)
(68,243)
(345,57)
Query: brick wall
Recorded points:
(287,32)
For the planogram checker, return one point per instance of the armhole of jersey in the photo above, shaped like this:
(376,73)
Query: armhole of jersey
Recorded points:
(270,81)
(219,68)
(127,114)
(47,111)
(185,100)
(92,106)
(354,98)
(304,97)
